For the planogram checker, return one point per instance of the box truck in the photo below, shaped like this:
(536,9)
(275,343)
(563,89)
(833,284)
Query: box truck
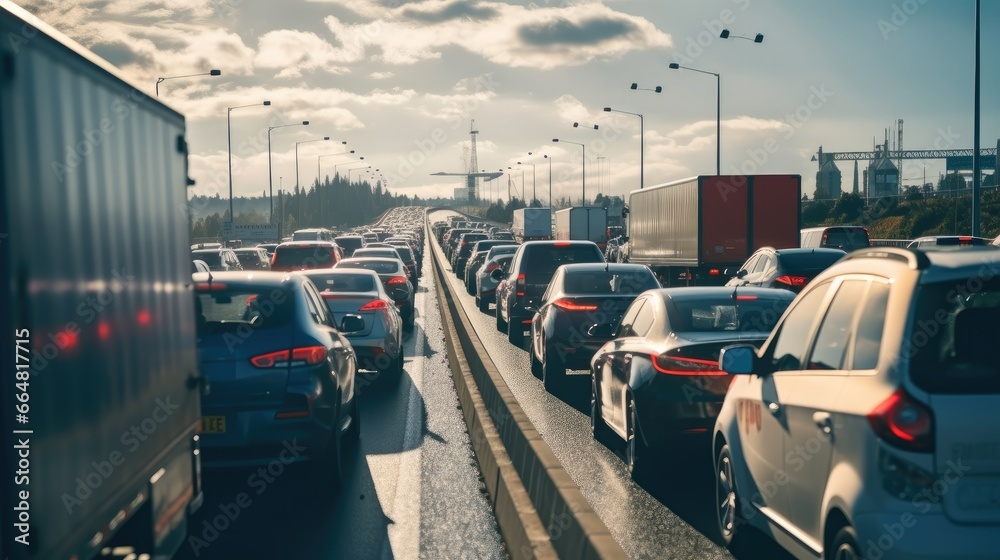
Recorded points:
(690,231)
(532,224)
(585,223)
(101,385)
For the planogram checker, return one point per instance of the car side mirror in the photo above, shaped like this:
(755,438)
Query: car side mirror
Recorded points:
(741,273)
(351,324)
(496,275)
(605,330)
(738,359)
(399,294)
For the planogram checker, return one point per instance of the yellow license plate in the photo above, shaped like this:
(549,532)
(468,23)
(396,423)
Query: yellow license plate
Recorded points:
(213,424)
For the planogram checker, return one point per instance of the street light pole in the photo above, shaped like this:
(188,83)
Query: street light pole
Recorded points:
(298,193)
(270,178)
(319,187)
(718,113)
(642,144)
(584,146)
(546,156)
(976,169)
(209,73)
(229,148)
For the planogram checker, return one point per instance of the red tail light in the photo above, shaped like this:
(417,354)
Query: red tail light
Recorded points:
(570,305)
(374,305)
(306,355)
(904,423)
(491,267)
(713,272)
(520,285)
(210,287)
(397,280)
(561,243)
(745,298)
(679,365)
(797,281)
(463,243)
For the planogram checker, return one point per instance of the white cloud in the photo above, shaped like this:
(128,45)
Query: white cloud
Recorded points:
(381,75)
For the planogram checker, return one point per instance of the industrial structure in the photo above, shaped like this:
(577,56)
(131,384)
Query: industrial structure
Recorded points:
(883,177)
(473,174)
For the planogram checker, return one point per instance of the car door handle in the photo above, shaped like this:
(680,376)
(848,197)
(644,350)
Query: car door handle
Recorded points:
(823,420)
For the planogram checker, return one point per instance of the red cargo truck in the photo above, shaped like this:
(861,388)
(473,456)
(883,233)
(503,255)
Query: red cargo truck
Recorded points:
(690,231)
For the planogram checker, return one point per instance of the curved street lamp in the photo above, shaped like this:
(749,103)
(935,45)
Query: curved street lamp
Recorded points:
(298,202)
(584,146)
(718,112)
(759,38)
(209,73)
(642,143)
(229,148)
(270,178)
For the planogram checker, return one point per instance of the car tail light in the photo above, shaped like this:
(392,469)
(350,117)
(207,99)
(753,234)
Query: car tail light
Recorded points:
(397,280)
(520,286)
(306,355)
(561,243)
(491,267)
(741,297)
(904,423)
(211,287)
(796,281)
(374,305)
(463,243)
(713,272)
(295,406)
(679,365)
(570,305)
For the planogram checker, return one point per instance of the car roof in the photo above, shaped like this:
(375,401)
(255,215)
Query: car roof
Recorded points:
(706,292)
(210,251)
(801,250)
(335,271)
(601,267)
(245,278)
(305,243)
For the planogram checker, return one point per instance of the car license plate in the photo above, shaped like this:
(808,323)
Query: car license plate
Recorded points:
(213,424)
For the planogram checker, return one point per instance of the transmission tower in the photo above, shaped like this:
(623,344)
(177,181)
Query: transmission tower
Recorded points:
(473,164)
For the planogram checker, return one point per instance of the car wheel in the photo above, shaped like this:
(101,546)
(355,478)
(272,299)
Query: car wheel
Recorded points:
(501,324)
(483,305)
(553,370)
(600,429)
(635,450)
(726,498)
(353,433)
(845,545)
(514,333)
(536,365)
(327,468)
(411,318)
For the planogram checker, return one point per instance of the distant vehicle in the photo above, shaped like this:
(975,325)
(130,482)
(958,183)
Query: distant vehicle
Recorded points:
(790,269)
(394,278)
(451,239)
(312,234)
(503,236)
(522,285)
(304,255)
(463,250)
(532,224)
(370,237)
(883,367)
(218,259)
(350,243)
(96,299)
(949,242)
(579,297)
(690,231)
(486,284)
(292,380)
(478,257)
(847,238)
(658,382)
(357,292)
(588,223)
(254,258)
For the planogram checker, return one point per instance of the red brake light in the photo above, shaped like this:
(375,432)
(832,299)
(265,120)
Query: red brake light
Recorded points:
(679,365)
(397,280)
(745,298)
(713,272)
(903,422)
(374,305)
(463,243)
(520,285)
(561,243)
(310,355)
(791,280)
(570,305)
(210,287)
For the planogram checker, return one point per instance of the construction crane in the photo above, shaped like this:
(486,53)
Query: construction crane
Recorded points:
(473,174)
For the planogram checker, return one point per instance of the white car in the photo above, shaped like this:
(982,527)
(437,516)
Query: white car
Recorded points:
(866,425)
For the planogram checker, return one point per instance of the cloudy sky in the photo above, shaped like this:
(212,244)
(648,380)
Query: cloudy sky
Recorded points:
(400,81)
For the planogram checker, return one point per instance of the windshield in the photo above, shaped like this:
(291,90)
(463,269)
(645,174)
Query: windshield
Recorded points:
(606,283)
(951,344)
(343,282)
(210,258)
(722,314)
(218,307)
(543,260)
(380,267)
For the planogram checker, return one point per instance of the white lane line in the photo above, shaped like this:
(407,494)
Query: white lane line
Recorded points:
(404,533)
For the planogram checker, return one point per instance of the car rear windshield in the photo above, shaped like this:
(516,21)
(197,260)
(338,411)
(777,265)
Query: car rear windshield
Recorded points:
(951,342)
(343,282)
(375,252)
(541,261)
(846,238)
(723,314)
(210,258)
(350,242)
(805,261)
(220,308)
(380,267)
(319,256)
(404,254)
(599,282)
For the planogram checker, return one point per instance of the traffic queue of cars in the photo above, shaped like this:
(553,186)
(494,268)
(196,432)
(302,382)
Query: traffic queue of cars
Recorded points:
(840,394)
(285,351)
